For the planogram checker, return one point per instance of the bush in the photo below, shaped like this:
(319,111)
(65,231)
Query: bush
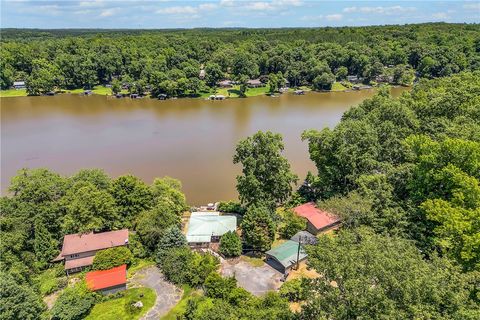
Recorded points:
(74,303)
(291,224)
(217,287)
(182,266)
(294,290)
(230,244)
(172,238)
(231,207)
(113,257)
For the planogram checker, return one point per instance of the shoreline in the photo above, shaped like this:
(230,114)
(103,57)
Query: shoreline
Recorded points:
(229,93)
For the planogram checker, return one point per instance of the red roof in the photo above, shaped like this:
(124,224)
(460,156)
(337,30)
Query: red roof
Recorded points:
(78,243)
(97,280)
(319,218)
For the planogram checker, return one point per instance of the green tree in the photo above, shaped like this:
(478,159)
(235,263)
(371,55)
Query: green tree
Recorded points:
(44,244)
(323,81)
(88,209)
(341,73)
(152,224)
(266,173)
(112,257)
(291,224)
(74,303)
(116,87)
(171,238)
(230,244)
(365,275)
(132,196)
(258,228)
(18,302)
(44,78)
(213,73)
(97,177)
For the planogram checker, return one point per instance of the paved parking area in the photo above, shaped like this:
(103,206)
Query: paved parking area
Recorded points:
(167,294)
(257,280)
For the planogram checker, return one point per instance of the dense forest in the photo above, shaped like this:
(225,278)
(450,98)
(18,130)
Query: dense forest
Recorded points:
(402,173)
(169,61)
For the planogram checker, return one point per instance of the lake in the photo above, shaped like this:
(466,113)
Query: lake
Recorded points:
(189,139)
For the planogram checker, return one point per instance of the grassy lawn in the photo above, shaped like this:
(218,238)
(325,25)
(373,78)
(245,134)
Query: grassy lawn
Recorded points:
(13,93)
(115,309)
(139,264)
(48,281)
(254,262)
(337,86)
(180,307)
(234,92)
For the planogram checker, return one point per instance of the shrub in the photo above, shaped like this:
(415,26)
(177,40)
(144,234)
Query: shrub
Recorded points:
(294,290)
(113,257)
(182,266)
(291,224)
(217,287)
(74,303)
(230,244)
(231,207)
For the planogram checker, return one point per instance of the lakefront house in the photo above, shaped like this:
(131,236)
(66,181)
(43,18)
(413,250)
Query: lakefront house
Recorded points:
(78,249)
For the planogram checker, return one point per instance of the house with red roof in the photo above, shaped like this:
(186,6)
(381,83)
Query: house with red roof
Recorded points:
(78,249)
(107,281)
(317,220)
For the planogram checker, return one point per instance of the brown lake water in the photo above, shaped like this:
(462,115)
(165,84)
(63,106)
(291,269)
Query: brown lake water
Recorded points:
(189,139)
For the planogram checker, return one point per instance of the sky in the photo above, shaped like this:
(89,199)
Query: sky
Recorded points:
(159,14)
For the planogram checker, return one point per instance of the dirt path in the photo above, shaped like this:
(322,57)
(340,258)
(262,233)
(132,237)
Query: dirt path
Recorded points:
(167,294)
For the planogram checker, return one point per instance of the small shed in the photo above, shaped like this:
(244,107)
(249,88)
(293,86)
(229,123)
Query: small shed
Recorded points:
(304,237)
(284,257)
(107,281)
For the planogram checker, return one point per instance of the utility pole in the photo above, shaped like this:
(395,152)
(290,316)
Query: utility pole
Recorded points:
(298,251)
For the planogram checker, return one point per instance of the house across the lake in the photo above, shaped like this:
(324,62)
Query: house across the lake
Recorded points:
(78,249)
(206,227)
(225,84)
(255,83)
(19,85)
(317,220)
(107,281)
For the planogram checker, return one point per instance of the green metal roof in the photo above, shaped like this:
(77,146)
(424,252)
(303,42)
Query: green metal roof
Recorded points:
(286,253)
(202,227)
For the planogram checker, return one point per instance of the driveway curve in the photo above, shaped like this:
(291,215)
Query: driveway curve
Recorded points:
(168,294)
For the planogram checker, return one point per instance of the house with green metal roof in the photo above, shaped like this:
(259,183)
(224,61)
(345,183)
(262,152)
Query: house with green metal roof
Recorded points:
(206,227)
(284,257)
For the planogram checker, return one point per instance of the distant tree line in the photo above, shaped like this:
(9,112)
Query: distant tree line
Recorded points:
(169,62)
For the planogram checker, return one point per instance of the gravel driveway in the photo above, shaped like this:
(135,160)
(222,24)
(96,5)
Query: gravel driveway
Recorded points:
(167,294)
(257,280)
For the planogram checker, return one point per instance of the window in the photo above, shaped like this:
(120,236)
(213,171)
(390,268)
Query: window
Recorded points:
(74,256)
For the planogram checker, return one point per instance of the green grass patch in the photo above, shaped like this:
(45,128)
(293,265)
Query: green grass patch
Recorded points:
(255,262)
(337,86)
(234,92)
(102,90)
(49,281)
(138,265)
(13,93)
(180,307)
(116,309)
